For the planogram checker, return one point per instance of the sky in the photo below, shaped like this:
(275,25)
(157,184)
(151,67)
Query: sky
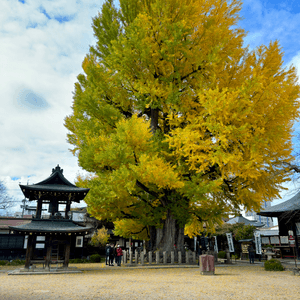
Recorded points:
(42,46)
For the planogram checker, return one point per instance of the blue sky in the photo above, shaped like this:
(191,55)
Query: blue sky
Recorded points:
(43,44)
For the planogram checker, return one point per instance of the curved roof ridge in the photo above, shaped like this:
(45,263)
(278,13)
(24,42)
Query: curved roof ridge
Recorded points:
(57,172)
(288,205)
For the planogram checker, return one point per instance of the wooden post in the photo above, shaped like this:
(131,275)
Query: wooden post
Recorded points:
(39,209)
(29,249)
(49,250)
(68,207)
(67,252)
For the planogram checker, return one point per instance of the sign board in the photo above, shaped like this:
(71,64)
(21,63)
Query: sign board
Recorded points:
(25,241)
(297,228)
(257,239)
(245,248)
(284,239)
(216,245)
(265,240)
(230,242)
(274,239)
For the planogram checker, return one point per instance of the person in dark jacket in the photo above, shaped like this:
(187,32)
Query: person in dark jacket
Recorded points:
(251,252)
(107,254)
(112,255)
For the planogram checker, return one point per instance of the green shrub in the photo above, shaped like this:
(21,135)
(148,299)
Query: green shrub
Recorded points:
(95,258)
(273,265)
(222,254)
(16,262)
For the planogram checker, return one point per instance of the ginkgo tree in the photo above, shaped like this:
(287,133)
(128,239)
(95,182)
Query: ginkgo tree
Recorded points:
(177,121)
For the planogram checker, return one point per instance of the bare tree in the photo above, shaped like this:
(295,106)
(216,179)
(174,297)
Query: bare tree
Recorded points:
(6,201)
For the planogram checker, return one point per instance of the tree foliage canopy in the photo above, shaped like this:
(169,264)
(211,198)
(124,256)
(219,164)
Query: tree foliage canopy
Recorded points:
(176,119)
(100,237)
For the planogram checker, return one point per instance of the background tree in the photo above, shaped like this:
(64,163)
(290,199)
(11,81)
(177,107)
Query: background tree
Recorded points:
(100,237)
(6,201)
(178,123)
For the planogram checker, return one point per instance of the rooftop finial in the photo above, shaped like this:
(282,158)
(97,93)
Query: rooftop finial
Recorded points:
(57,169)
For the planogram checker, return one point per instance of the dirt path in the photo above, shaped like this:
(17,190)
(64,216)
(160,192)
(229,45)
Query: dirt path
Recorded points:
(96,282)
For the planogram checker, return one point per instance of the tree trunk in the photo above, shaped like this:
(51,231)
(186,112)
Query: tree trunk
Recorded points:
(154,119)
(169,238)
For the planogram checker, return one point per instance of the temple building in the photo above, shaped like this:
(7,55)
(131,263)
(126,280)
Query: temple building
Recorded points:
(288,214)
(50,237)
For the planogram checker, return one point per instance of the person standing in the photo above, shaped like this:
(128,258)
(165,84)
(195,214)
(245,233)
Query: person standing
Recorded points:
(251,253)
(119,255)
(112,255)
(107,254)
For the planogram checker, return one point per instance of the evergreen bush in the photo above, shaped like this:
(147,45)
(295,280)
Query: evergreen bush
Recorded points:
(221,254)
(273,265)
(95,258)
(3,262)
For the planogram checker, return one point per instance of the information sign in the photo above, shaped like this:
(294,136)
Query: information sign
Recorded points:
(230,242)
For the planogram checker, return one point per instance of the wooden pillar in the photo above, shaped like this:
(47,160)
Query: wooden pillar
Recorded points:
(68,207)
(296,240)
(30,244)
(49,250)
(39,209)
(67,251)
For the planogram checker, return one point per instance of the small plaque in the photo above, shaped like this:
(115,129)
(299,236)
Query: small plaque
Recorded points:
(274,239)
(265,240)
(284,239)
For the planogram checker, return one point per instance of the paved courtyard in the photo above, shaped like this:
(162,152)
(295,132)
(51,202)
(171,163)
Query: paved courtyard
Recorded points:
(100,282)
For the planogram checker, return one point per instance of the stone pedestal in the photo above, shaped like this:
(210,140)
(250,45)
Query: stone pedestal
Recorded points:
(179,257)
(228,257)
(130,257)
(150,257)
(124,257)
(136,257)
(165,257)
(187,257)
(157,257)
(172,257)
(207,265)
(142,258)
(194,257)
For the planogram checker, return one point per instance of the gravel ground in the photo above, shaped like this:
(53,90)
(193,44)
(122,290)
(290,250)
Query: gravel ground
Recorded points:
(100,282)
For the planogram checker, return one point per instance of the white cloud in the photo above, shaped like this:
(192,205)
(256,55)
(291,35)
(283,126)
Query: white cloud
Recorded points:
(43,44)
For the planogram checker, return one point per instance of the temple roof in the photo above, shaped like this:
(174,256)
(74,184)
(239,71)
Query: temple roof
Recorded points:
(241,219)
(290,205)
(51,226)
(55,185)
